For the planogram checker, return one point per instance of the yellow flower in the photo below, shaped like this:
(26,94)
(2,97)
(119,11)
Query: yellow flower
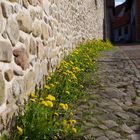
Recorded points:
(52,85)
(33,100)
(65,73)
(81,86)
(47,87)
(47,103)
(69,80)
(71,62)
(64,106)
(50,97)
(66,124)
(41,99)
(50,103)
(71,113)
(56,83)
(49,78)
(20,130)
(33,95)
(67,92)
(74,130)
(56,114)
(76,69)
(44,103)
(72,121)
(74,77)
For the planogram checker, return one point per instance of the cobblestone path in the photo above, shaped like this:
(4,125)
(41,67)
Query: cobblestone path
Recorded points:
(112,111)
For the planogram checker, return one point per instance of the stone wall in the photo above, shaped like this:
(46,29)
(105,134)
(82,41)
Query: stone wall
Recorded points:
(34,36)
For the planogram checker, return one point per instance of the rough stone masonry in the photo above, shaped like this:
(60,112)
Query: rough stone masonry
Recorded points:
(34,36)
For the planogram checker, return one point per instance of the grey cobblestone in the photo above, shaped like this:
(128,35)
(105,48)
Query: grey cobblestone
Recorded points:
(119,91)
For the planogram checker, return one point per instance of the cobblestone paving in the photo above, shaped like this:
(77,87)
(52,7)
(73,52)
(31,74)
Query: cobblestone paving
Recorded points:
(112,111)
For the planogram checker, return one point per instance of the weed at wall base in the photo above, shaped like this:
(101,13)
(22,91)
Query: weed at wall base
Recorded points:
(49,115)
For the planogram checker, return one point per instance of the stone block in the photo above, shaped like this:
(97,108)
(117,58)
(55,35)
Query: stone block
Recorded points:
(45,30)
(5,51)
(33,14)
(7,9)
(37,28)
(44,67)
(40,50)
(12,30)
(21,57)
(29,80)
(2,88)
(24,21)
(33,2)
(38,73)
(18,72)
(46,5)
(25,3)
(40,3)
(2,21)
(59,40)
(8,75)
(18,88)
(33,46)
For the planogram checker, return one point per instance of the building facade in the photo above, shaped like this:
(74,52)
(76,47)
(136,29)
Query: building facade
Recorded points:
(109,14)
(126,22)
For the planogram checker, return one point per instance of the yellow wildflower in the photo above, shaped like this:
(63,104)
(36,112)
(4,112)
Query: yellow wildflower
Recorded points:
(49,78)
(71,62)
(41,99)
(81,86)
(52,85)
(65,66)
(66,124)
(74,130)
(64,73)
(56,114)
(67,92)
(50,103)
(20,130)
(47,103)
(47,87)
(71,113)
(44,103)
(56,83)
(32,95)
(72,121)
(50,97)
(69,80)
(33,100)
(73,76)
(64,106)
(76,69)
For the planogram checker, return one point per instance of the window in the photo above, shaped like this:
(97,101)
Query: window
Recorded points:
(126,30)
(120,32)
